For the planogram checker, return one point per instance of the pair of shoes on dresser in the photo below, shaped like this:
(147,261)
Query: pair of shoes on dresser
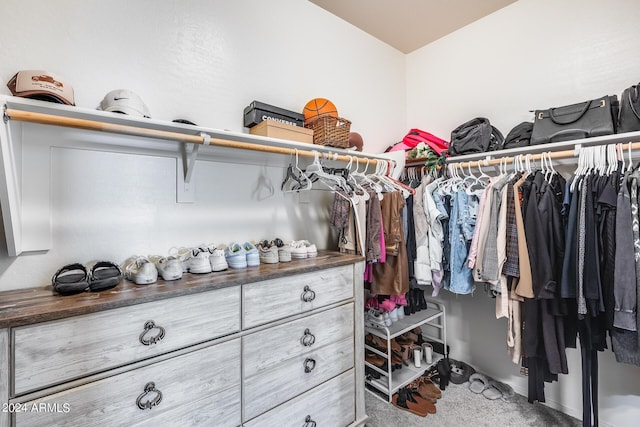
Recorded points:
(199,260)
(75,278)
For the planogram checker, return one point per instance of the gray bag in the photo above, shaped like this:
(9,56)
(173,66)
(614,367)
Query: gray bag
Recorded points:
(587,119)
(629,119)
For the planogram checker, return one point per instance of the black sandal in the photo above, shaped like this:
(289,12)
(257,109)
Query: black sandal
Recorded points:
(71,279)
(104,275)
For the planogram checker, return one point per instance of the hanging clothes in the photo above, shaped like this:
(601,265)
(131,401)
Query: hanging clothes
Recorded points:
(392,276)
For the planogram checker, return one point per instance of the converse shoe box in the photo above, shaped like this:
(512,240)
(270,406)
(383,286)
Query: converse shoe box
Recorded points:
(257,112)
(275,129)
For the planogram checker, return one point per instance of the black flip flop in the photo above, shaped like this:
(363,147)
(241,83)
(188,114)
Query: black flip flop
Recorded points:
(104,275)
(71,279)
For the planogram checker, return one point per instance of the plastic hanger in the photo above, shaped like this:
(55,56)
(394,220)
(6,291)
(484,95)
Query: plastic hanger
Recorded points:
(365,178)
(621,157)
(295,179)
(329,180)
(354,182)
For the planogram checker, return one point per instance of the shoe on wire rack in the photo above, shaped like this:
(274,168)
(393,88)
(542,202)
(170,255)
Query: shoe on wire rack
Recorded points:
(375,318)
(169,268)
(140,270)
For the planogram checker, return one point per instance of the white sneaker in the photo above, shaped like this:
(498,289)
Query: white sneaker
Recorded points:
(217,259)
(199,261)
(284,250)
(268,252)
(141,271)
(298,249)
(387,319)
(312,250)
(169,268)
(183,254)
(393,315)
(301,249)
(374,317)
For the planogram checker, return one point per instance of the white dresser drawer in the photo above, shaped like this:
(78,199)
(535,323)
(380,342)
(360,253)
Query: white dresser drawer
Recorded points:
(198,388)
(57,351)
(330,404)
(265,349)
(270,300)
(295,376)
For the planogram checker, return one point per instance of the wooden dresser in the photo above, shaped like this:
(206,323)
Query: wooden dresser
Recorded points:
(274,345)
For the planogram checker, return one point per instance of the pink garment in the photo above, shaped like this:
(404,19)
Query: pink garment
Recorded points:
(368,272)
(473,251)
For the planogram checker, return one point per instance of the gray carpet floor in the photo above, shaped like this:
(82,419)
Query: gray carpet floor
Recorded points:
(461,407)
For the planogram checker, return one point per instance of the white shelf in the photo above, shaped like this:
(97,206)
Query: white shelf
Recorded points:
(406,324)
(434,317)
(25,157)
(402,377)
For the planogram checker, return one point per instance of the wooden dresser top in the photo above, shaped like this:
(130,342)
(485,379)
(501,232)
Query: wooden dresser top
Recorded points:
(35,305)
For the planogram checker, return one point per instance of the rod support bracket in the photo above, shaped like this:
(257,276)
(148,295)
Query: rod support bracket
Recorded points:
(186,190)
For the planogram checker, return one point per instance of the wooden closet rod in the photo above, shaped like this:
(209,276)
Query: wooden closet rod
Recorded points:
(565,154)
(48,119)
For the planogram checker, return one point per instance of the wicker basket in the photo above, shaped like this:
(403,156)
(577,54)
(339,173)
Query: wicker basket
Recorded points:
(331,131)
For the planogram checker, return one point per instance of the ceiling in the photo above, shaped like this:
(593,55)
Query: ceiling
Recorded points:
(410,24)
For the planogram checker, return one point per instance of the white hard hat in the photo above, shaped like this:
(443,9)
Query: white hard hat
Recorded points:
(126,102)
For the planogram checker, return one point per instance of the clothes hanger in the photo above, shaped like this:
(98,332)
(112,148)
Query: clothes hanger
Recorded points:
(330,180)
(377,188)
(353,181)
(295,180)
(400,185)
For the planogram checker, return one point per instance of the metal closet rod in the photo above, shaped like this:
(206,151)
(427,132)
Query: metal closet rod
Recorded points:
(565,154)
(49,119)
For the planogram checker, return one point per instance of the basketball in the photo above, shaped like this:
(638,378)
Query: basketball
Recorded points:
(319,107)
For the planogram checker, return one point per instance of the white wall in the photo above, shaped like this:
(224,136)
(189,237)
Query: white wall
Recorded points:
(531,54)
(205,61)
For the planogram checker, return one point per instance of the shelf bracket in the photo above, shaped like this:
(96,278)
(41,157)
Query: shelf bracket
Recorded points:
(185,188)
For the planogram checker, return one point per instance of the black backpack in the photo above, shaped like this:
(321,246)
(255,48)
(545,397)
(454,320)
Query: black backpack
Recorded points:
(519,136)
(475,136)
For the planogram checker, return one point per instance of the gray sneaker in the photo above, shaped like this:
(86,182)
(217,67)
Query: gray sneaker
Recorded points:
(268,252)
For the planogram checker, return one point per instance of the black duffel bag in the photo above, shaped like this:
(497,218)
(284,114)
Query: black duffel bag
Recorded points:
(584,120)
(519,136)
(629,119)
(475,136)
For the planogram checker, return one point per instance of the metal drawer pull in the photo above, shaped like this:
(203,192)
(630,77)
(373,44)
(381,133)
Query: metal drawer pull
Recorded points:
(308,422)
(153,397)
(153,339)
(308,295)
(307,339)
(309,364)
